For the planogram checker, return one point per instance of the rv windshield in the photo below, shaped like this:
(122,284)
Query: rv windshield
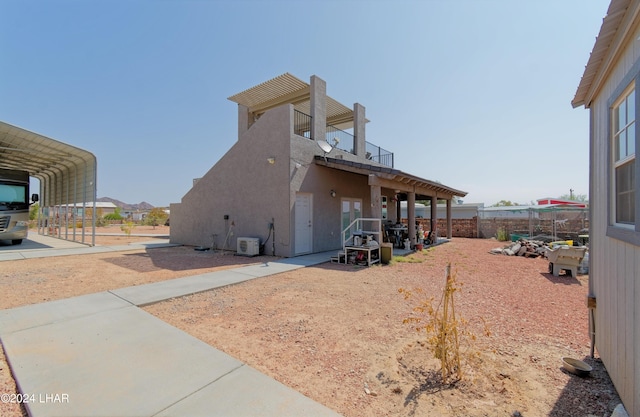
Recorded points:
(13,196)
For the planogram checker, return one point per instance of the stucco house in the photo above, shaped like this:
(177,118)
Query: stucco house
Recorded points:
(300,172)
(607,89)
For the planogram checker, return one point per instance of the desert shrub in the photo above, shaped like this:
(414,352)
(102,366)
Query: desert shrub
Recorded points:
(445,331)
(502,235)
(128,227)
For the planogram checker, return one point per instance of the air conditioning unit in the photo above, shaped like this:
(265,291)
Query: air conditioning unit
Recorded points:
(248,246)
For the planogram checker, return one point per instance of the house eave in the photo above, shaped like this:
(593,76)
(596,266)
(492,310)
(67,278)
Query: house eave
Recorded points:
(393,178)
(608,45)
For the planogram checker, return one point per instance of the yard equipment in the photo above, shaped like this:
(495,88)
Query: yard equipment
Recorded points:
(565,257)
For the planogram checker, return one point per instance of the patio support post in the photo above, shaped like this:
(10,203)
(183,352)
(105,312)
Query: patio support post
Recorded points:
(411,217)
(398,210)
(434,216)
(318,97)
(376,204)
(360,145)
(449,220)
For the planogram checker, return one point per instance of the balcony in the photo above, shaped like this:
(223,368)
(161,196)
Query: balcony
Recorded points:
(341,139)
(379,155)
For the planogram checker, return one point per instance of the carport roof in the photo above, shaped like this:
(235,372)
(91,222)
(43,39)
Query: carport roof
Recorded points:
(67,174)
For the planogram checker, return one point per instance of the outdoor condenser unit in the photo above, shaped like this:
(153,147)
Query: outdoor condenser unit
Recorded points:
(248,246)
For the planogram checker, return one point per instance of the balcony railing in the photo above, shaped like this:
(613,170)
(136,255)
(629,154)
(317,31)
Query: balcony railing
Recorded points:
(302,124)
(379,155)
(340,139)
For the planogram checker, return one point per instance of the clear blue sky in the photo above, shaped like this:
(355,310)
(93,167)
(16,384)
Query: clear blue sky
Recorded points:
(472,93)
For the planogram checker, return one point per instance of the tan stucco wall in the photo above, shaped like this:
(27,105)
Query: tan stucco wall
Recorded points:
(244,186)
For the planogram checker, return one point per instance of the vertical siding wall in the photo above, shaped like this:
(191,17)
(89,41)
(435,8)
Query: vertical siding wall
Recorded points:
(615,265)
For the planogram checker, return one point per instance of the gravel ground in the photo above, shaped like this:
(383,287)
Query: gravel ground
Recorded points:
(336,332)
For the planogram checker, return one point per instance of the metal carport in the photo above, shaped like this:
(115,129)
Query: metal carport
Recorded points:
(67,178)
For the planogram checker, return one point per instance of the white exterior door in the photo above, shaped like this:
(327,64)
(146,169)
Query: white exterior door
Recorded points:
(351,210)
(304,227)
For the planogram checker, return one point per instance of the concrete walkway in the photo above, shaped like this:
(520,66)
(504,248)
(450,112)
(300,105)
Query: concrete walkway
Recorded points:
(101,355)
(40,246)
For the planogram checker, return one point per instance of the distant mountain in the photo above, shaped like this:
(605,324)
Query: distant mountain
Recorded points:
(124,206)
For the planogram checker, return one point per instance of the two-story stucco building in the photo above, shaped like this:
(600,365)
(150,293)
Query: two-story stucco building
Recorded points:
(300,172)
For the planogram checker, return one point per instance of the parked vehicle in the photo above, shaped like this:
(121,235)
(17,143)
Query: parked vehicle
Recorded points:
(14,205)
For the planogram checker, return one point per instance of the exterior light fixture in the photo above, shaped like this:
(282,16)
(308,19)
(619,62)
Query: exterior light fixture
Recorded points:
(271,160)
(333,193)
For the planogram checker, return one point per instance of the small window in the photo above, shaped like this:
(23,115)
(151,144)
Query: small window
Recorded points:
(624,155)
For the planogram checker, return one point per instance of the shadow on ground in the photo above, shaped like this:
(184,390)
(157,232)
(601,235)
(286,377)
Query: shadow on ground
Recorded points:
(565,279)
(592,394)
(182,258)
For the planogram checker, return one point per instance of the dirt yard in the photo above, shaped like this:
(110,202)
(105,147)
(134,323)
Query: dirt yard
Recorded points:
(336,332)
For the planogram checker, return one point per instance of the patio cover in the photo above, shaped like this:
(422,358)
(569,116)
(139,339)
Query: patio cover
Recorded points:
(287,88)
(67,174)
(393,179)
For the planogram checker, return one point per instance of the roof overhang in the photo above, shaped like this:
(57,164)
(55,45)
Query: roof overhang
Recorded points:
(614,33)
(393,179)
(288,89)
(67,174)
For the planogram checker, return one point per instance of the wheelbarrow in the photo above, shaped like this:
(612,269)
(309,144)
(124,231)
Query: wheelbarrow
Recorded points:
(565,258)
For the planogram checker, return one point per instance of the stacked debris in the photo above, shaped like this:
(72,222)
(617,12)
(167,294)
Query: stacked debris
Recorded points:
(528,248)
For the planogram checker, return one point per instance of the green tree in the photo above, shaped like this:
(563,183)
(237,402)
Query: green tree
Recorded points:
(33,211)
(155,217)
(583,198)
(114,216)
(505,203)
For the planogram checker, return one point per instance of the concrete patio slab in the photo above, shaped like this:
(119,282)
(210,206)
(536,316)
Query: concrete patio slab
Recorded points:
(39,246)
(122,362)
(247,392)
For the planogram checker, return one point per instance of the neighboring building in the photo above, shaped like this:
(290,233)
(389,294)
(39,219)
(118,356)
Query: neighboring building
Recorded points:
(102,208)
(551,200)
(608,90)
(299,174)
(458,211)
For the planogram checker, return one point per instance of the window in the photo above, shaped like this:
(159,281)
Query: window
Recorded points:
(624,156)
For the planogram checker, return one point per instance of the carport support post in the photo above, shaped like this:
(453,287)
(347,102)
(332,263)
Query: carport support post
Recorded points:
(411,217)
